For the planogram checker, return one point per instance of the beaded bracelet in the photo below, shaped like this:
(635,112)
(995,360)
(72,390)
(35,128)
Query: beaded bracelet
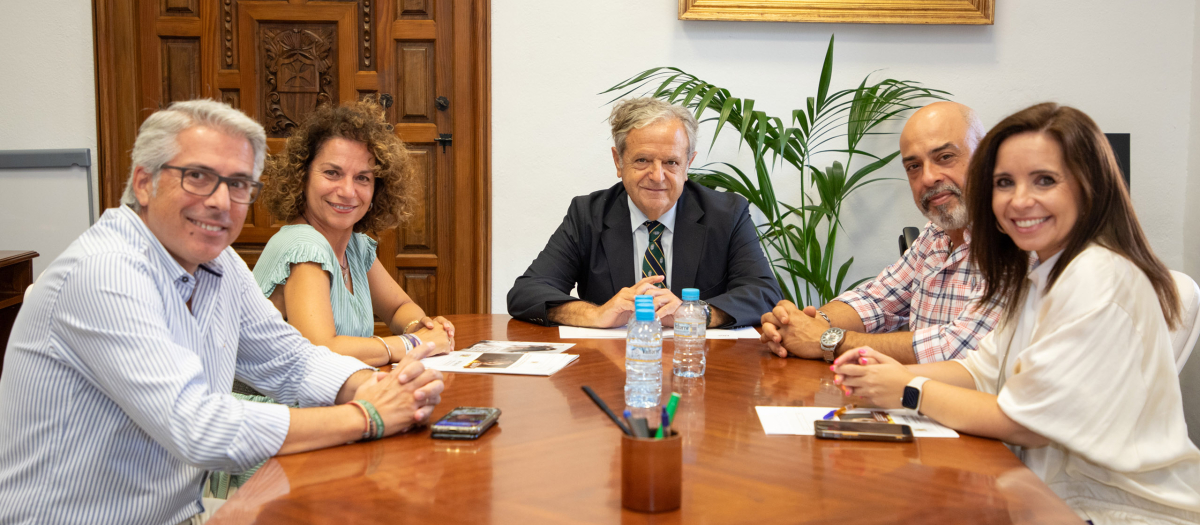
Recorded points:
(376,419)
(386,347)
(367,417)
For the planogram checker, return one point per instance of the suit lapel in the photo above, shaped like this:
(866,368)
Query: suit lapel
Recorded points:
(687,244)
(617,242)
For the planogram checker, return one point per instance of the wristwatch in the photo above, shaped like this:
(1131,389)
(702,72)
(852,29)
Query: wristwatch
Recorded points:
(830,341)
(912,394)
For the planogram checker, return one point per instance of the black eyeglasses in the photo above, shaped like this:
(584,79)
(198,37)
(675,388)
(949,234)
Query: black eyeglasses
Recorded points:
(203,182)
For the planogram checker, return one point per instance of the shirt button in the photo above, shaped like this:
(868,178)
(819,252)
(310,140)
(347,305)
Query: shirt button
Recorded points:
(185,279)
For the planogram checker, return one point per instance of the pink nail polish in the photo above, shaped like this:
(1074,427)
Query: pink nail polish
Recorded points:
(862,361)
(862,351)
(831,367)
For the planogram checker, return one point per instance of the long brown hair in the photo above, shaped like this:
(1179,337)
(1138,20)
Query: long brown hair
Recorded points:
(1106,215)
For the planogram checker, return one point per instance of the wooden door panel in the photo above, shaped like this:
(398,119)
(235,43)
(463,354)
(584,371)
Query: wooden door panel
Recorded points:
(414,9)
(415,90)
(421,286)
(298,72)
(180,69)
(418,234)
(277,60)
(181,8)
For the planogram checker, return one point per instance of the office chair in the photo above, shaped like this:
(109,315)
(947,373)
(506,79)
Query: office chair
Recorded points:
(907,236)
(1183,339)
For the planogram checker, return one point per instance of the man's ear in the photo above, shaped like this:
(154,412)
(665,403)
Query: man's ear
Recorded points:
(143,186)
(617,161)
(692,158)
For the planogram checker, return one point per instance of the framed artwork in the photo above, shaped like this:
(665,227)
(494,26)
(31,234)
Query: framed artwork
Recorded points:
(977,12)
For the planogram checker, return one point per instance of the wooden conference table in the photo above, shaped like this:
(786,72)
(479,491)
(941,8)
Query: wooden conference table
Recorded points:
(555,458)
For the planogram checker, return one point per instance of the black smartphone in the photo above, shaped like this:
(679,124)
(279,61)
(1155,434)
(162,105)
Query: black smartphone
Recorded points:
(863,431)
(465,423)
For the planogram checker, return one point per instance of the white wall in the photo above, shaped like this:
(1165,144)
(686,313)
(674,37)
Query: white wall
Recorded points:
(47,100)
(1127,64)
(1133,66)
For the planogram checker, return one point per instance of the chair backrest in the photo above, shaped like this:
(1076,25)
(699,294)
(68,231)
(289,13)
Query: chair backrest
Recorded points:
(1183,339)
(907,236)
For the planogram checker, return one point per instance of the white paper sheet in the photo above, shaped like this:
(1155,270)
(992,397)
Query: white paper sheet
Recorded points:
(574,332)
(798,421)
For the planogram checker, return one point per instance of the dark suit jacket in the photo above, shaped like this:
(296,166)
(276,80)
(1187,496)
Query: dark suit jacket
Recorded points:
(715,250)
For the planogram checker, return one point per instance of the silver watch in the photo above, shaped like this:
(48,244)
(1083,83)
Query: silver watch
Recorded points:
(830,341)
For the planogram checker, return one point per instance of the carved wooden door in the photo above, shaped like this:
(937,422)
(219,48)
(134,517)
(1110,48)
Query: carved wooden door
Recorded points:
(277,60)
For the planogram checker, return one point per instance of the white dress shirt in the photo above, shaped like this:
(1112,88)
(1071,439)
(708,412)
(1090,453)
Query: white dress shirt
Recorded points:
(116,397)
(641,238)
(1090,367)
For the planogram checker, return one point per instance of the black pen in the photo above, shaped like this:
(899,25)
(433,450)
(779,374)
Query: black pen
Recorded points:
(600,403)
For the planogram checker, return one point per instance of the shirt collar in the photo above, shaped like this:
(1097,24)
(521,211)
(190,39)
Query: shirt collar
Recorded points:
(1040,273)
(636,217)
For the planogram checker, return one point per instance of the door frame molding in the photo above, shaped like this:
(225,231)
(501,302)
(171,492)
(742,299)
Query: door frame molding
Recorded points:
(121,106)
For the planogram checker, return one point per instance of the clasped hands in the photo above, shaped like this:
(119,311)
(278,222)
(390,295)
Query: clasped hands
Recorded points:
(407,395)
(787,329)
(617,310)
(869,374)
(439,331)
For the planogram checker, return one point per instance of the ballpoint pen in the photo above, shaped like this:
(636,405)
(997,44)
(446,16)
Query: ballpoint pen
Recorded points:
(600,403)
(664,428)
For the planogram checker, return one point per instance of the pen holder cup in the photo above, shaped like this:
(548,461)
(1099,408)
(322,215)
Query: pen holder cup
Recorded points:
(651,473)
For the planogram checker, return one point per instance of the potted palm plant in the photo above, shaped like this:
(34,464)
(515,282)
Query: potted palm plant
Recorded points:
(798,238)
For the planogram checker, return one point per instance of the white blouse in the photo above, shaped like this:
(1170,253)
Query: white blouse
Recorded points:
(1089,366)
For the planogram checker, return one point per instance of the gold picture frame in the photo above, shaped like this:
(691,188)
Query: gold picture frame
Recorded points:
(972,12)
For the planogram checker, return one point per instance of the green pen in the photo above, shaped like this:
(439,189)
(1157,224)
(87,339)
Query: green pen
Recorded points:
(672,404)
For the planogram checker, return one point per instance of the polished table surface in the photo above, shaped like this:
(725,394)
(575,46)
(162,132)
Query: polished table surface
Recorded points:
(555,458)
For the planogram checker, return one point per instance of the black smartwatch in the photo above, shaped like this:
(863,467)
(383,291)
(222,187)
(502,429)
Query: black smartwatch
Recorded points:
(912,394)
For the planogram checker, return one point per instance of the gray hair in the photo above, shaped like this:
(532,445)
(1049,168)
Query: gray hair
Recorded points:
(156,142)
(630,114)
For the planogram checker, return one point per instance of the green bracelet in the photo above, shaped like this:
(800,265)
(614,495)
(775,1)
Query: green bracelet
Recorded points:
(376,419)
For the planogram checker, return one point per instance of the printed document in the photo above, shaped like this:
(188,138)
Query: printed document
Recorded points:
(518,363)
(798,421)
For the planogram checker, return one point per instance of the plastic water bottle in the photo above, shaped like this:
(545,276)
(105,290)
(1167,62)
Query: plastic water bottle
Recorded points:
(691,318)
(643,359)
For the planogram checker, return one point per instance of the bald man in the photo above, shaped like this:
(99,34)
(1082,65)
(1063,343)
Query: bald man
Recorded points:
(922,308)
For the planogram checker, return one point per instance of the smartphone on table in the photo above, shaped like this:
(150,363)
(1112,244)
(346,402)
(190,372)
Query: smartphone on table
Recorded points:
(465,423)
(863,431)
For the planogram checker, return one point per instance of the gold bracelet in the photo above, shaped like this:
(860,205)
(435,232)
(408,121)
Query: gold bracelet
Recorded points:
(408,327)
(386,347)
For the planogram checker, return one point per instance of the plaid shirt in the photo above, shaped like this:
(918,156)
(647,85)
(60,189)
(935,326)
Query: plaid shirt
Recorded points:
(931,292)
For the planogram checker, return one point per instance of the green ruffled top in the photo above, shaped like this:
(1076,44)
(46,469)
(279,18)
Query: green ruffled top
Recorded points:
(300,243)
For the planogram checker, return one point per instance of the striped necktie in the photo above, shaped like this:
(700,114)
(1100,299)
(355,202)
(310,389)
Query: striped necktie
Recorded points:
(653,262)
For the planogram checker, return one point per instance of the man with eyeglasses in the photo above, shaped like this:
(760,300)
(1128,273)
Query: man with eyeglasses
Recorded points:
(115,395)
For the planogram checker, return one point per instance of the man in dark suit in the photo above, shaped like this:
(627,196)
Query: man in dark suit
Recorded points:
(654,233)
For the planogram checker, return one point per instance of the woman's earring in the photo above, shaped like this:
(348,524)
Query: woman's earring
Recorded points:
(372,203)
(1000,228)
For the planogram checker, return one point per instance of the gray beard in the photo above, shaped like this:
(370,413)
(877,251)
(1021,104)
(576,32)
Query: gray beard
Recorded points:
(947,217)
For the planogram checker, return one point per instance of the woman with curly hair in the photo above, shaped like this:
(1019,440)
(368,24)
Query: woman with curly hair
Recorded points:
(342,173)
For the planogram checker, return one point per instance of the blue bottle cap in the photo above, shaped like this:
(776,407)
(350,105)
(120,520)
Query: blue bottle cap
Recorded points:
(644,314)
(642,299)
(691,294)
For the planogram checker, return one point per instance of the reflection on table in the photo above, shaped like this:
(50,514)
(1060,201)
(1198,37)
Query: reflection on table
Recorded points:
(554,457)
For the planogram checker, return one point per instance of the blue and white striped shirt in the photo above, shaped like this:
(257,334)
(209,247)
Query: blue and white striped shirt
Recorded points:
(115,398)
